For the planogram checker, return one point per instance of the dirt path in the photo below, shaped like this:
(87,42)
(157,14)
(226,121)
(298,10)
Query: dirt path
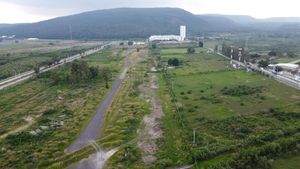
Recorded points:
(30,120)
(152,131)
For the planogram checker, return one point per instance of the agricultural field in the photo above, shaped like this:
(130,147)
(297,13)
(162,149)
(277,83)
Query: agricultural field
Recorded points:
(40,118)
(24,55)
(217,117)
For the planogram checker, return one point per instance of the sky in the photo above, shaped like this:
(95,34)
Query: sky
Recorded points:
(23,11)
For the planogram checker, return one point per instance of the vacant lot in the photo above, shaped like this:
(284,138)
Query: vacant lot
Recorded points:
(54,113)
(218,117)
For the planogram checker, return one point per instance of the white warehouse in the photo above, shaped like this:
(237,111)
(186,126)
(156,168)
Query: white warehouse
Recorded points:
(179,38)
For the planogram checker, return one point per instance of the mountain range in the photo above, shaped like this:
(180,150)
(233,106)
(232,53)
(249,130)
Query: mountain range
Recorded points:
(124,23)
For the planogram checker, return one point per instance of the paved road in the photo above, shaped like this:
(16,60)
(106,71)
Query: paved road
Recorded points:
(27,75)
(92,131)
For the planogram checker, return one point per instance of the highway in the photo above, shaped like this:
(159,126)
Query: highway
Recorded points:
(27,75)
(280,78)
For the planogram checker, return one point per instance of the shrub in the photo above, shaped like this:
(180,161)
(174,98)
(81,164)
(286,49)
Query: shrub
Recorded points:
(241,90)
(173,62)
(49,112)
(191,50)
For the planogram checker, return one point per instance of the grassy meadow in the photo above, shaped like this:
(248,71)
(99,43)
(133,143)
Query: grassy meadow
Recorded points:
(234,115)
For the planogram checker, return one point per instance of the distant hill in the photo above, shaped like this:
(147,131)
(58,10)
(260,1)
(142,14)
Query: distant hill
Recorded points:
(241,19)
(6,25)
(283,19)
(245,19)
(122,23)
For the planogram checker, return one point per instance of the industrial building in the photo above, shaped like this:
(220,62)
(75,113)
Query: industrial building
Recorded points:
(178,38)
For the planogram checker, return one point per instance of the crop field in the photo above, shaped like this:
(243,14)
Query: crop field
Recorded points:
(217,117)
(54,114)
(19,57)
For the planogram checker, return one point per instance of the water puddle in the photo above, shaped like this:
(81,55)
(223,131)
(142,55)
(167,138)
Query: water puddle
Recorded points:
(95,161)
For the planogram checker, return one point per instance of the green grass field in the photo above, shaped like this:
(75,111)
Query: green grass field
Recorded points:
(226,108)
(289,162)
(64,108)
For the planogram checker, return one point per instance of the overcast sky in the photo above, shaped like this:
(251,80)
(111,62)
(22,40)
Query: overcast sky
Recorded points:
(20,11)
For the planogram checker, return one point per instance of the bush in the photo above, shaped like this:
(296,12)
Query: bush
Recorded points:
(272,53)
(18,138)
(241,90)
(173,62)
(49,112)
(263,63)
(130,155)
(191,50)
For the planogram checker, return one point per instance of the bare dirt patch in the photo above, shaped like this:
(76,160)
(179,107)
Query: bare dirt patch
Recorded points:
(152,131)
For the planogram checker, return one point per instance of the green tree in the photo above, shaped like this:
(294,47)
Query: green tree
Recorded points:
(263,63)
(272,53)
(94,72)
(173,62)
(290,54)
(130,43)
(106,74)
(80,72)
(154,46)
(200,44)
(278,69)
(216,48)
(191,50)
(36,69)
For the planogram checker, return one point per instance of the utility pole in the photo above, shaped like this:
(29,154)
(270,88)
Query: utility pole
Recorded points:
(194,136)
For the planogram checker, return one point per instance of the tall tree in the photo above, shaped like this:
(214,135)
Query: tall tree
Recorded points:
(106,74)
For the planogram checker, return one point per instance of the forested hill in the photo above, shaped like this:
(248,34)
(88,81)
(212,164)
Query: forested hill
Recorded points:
(122,23)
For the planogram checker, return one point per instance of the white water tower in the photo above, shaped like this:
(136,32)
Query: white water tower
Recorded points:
(182,32)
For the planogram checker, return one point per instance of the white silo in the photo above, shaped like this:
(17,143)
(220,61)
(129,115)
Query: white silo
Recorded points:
(182,32)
